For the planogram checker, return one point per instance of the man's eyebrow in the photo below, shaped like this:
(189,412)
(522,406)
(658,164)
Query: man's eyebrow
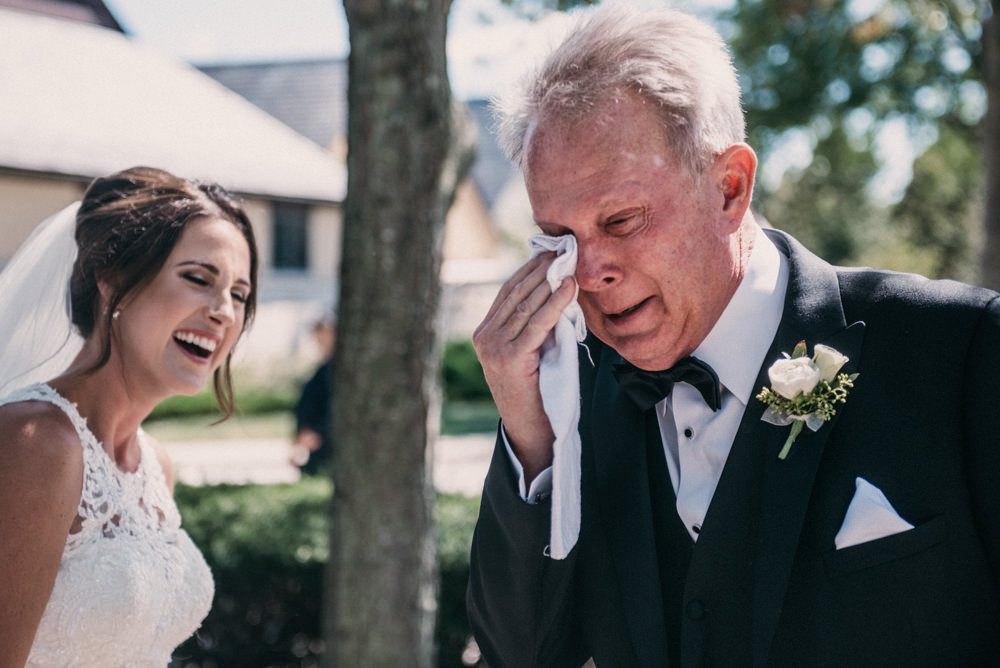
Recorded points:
(555,229)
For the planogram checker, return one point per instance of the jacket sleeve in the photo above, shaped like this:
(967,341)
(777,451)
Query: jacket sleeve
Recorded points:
(520,601)
(982,420)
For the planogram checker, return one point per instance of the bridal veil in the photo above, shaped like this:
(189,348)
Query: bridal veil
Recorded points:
(37,337)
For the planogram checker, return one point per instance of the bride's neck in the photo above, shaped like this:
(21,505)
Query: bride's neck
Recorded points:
(113,412)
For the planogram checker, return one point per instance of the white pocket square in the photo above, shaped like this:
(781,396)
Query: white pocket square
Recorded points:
(869,517)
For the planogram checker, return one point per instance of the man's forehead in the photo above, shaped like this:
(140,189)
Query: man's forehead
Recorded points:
(579,148)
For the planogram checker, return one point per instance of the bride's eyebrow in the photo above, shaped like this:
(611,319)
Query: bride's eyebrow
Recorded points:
(198,263)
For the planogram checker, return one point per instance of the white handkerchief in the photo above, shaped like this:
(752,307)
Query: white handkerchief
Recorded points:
(869,517)
(559,382)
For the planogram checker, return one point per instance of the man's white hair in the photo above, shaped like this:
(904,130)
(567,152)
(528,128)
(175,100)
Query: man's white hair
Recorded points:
(672,60)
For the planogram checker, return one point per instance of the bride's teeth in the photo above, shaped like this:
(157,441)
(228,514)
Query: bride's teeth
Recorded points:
(194,339)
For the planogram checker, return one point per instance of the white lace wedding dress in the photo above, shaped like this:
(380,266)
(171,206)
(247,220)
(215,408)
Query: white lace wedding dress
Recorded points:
(131,585)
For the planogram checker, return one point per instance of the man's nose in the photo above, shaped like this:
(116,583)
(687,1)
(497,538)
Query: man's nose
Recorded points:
(596,267)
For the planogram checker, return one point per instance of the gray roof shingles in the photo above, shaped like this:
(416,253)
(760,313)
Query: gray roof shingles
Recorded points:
(310,96)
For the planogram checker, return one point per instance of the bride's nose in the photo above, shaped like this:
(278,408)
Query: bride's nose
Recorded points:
(222,309)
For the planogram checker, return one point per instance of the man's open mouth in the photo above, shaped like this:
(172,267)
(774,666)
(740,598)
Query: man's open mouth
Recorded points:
(630,309)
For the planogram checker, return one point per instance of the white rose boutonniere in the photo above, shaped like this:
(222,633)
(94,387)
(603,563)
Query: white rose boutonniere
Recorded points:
(804,390)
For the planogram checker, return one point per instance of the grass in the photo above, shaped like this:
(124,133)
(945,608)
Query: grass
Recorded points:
(456,418)
(199,427)
(468,417)
(266,407)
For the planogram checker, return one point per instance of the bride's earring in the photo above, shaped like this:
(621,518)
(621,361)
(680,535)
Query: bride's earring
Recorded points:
(118,312)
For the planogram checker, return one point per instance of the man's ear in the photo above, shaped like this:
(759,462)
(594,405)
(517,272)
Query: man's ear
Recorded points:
(735,169)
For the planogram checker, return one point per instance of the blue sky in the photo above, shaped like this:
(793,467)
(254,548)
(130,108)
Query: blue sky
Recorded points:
(489,46)
(236,30)
(489,43)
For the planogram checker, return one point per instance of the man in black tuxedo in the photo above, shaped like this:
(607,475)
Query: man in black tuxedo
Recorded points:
(874,542)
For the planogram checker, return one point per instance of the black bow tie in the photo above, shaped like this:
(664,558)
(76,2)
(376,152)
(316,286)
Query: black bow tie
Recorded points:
(646,388)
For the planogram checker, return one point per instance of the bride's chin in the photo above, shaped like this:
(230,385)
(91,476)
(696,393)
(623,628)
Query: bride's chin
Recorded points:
(189,387)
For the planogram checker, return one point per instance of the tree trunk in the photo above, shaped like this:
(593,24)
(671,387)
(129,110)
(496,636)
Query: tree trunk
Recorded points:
(990,266)
(382,579)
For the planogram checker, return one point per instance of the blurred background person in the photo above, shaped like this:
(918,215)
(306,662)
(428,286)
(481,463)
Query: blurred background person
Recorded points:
(312,445)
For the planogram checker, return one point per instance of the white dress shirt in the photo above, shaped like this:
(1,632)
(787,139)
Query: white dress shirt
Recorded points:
(696,440)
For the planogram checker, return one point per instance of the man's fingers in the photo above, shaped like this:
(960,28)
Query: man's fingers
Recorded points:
(509,345)
(541,312)
(531,308)
(523,282)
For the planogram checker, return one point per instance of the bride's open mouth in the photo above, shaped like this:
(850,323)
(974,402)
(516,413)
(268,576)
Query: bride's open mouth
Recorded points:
(198,346)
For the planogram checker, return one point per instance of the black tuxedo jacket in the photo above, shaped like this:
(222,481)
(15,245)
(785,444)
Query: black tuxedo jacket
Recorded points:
(766,586)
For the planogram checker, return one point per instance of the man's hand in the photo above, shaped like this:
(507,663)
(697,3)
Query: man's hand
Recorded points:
(508,343)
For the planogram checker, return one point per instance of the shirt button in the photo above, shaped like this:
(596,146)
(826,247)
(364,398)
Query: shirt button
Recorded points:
(695,609)
(696,528)
(689,432)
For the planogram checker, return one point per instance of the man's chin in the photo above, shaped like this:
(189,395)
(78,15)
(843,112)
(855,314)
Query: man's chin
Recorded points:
(645,352)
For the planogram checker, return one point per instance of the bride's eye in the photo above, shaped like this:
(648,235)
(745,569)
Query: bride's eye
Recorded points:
(197,280)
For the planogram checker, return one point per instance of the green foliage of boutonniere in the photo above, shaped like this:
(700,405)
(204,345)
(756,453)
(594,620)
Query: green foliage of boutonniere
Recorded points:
(805,390)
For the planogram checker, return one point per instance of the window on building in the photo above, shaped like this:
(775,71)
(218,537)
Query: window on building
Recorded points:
(290,228)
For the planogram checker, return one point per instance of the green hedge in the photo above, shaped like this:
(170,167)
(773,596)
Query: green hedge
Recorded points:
(463,375)
(249,400)
(267,546)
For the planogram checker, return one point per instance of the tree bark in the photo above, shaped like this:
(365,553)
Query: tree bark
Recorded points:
(381,601)
(990,263)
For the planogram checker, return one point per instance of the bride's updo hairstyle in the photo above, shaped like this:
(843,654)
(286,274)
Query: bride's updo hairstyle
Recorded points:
(127,225)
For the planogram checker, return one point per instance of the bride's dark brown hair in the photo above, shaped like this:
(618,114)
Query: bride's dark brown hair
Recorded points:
(127,225)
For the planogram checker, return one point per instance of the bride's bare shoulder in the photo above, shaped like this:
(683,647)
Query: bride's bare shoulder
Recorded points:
(41,479)
(38,443)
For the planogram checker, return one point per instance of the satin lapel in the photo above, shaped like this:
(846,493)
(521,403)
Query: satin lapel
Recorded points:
(619,449)
(813,313)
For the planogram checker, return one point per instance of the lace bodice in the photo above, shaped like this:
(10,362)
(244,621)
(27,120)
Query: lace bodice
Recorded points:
(131,585)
